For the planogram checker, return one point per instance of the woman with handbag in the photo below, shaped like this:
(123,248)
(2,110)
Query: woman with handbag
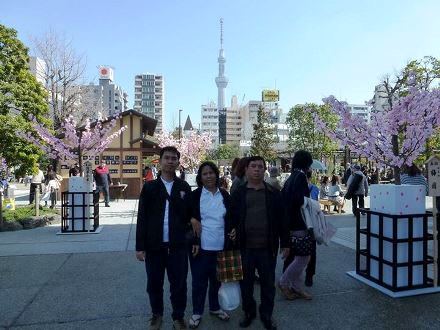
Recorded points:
(209,204)
(303,244)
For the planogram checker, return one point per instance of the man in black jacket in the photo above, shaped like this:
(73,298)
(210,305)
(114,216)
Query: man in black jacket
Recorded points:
(162,223)
(257,210)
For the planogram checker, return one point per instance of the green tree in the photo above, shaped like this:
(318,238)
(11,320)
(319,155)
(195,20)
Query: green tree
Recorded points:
(22,98)
(263,139)
(304,134)
(224,151)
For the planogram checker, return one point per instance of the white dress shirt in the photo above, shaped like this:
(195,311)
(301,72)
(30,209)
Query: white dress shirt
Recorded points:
(168,186)
(212,212)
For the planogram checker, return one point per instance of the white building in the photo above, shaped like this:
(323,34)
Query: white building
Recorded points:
(114,98)
(209,121)
(250,113)
(38,68)
(149,97)
(362,111)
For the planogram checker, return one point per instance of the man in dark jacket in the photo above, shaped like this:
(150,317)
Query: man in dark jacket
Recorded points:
(162,223)
(258,211)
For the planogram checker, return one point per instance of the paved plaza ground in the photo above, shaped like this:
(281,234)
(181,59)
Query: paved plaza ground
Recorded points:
(93,281)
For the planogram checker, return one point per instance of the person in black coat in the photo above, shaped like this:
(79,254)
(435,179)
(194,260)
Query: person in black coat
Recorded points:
(258,214)
(161,237)
(293,192)
(212,228)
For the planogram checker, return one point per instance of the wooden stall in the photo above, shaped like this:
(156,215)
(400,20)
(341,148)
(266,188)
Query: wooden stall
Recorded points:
(125,154)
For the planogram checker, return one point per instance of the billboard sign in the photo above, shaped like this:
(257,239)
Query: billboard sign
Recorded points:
(270,95)
(105,72)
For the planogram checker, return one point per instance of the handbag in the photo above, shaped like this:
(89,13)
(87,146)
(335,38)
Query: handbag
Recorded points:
(303,246)
(229,267)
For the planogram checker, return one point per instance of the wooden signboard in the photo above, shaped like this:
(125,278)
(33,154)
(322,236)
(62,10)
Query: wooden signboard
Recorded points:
(433,167)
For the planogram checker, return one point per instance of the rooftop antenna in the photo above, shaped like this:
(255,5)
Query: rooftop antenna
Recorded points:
(221,33)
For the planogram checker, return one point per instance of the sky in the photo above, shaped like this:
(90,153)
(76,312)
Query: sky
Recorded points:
(306,49)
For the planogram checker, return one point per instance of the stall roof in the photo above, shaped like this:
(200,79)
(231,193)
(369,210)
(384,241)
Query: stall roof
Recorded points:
(148,123)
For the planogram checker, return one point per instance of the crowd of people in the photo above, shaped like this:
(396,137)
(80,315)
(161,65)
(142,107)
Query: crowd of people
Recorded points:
(244,207)
(258,218)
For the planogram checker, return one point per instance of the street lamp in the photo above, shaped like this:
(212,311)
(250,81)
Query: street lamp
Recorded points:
(180,127)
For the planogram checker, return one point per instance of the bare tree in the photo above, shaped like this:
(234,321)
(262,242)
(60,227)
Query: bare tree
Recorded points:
(63,75)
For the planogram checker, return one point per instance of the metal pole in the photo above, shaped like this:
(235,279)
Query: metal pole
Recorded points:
(37,200)
(1,209)
(180,127)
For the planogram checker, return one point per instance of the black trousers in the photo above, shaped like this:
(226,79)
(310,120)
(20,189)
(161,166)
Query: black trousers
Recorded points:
(355,200)
(175,262)
(32,189)
(311,266)
(263,261)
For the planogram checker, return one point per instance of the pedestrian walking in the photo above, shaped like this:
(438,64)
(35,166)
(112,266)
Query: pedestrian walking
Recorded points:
(161,238)
(36,183)
(258,213)
(294,191)
(358,189)
(211,225)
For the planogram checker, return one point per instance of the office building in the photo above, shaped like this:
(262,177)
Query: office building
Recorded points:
(149,97)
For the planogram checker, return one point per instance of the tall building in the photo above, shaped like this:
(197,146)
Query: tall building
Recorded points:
(114,98)
(249,117)
(221,81)
(233,122)
(210,121)
(149,97)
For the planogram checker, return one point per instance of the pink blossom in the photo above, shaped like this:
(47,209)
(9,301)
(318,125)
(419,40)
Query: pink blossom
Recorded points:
(413,118)
(192,148)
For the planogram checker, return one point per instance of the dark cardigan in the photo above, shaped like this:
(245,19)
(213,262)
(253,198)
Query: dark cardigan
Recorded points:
(195,213)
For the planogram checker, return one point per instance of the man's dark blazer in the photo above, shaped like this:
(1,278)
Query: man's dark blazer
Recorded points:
(151,210)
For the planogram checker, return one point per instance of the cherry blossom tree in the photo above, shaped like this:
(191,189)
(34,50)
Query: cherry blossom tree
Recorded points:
(75,143)
(192,149)
(396,135)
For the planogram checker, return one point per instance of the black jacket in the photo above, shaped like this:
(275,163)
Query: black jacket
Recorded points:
(195,213)
(293,192)
(278,233)
(152,201)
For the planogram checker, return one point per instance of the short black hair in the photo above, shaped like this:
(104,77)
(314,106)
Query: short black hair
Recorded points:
(170,149)
(255,158)
(302,160)
(213,167)
(309,174)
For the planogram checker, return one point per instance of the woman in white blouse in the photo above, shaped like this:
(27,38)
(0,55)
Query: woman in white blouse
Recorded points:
(209,203)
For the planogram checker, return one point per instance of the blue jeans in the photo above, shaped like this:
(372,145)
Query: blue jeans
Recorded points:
(175,262)
(105,190)
(204,269)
